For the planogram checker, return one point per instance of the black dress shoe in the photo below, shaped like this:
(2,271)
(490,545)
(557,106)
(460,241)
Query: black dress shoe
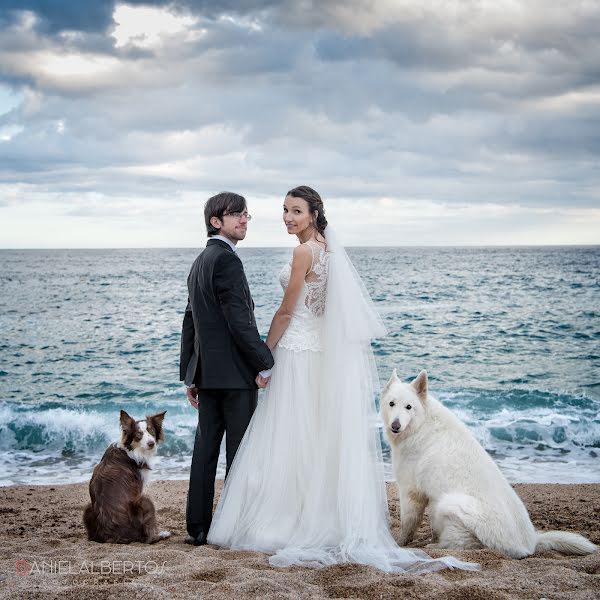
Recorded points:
(199,540)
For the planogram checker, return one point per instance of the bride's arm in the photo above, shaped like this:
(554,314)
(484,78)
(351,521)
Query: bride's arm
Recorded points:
(301,264)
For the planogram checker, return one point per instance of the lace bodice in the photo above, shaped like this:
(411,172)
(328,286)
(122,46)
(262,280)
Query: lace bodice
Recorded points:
(304,329)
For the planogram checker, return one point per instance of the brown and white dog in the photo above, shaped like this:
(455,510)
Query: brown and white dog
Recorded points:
(119,512)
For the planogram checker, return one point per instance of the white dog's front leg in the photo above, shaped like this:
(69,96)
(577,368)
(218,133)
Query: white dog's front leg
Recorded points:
(412,507)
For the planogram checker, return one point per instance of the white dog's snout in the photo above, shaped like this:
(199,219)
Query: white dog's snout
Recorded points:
(396,426)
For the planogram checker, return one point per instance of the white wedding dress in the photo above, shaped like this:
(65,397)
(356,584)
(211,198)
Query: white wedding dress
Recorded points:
(307,483)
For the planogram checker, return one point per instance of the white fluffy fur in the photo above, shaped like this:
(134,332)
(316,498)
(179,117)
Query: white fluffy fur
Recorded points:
(439,464)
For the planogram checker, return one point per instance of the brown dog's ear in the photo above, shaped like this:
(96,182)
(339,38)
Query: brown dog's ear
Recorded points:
(158,418)
(126,420)
(157,421)
(421,385)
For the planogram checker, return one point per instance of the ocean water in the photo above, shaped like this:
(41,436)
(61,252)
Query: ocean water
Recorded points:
(510,338)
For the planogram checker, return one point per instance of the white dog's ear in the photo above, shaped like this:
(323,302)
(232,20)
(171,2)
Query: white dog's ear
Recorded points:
(421,385)
(393,379)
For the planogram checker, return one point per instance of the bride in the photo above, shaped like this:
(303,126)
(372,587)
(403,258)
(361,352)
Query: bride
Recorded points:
(307,482)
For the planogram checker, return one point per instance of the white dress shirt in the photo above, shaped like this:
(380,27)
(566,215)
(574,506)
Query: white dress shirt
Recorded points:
(223,239)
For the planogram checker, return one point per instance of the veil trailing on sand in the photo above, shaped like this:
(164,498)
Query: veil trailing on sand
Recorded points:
(345,516)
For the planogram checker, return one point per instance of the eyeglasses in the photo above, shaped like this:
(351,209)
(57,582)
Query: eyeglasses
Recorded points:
(238,215)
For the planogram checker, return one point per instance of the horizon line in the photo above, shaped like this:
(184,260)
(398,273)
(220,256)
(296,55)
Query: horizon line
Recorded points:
(288,247)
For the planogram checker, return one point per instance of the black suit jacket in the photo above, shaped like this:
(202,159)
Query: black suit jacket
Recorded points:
(220,344)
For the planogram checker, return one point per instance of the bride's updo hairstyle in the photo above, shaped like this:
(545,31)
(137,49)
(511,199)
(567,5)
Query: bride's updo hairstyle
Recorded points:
(315,205)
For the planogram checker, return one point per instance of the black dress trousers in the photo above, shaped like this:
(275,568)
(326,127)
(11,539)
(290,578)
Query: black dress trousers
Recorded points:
(218,410)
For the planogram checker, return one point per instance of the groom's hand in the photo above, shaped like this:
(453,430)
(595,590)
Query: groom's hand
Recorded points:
(261,381)
(192,396)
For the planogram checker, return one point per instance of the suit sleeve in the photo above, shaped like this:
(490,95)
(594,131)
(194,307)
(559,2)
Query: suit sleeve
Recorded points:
(187,341)
(231,292)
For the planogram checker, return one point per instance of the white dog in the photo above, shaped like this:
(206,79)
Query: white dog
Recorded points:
(439,463)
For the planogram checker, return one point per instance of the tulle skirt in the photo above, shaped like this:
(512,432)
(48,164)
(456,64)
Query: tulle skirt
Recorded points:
(297,490)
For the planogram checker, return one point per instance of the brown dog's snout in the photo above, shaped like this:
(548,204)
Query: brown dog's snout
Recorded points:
(395,426)
(151,443)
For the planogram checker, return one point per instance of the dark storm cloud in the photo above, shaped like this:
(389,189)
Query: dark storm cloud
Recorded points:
(59,15)
(55,16)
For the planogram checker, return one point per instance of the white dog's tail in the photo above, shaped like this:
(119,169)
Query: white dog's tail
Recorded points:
(565,542)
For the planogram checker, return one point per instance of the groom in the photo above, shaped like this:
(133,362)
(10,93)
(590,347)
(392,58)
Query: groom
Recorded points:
(221,354)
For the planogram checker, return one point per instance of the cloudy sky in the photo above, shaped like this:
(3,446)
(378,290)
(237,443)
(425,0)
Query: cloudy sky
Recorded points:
(419,122)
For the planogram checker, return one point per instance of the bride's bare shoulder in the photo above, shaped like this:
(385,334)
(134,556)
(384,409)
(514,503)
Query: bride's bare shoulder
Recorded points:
(302,250)
(302,257)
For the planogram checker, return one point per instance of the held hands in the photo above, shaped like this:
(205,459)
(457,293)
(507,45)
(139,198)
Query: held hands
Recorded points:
(192,396)
(261,381)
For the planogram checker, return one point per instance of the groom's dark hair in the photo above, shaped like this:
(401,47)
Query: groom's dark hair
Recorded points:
(217,206)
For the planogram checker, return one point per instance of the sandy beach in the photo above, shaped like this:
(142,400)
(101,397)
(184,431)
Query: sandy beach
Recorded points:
(45,554)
